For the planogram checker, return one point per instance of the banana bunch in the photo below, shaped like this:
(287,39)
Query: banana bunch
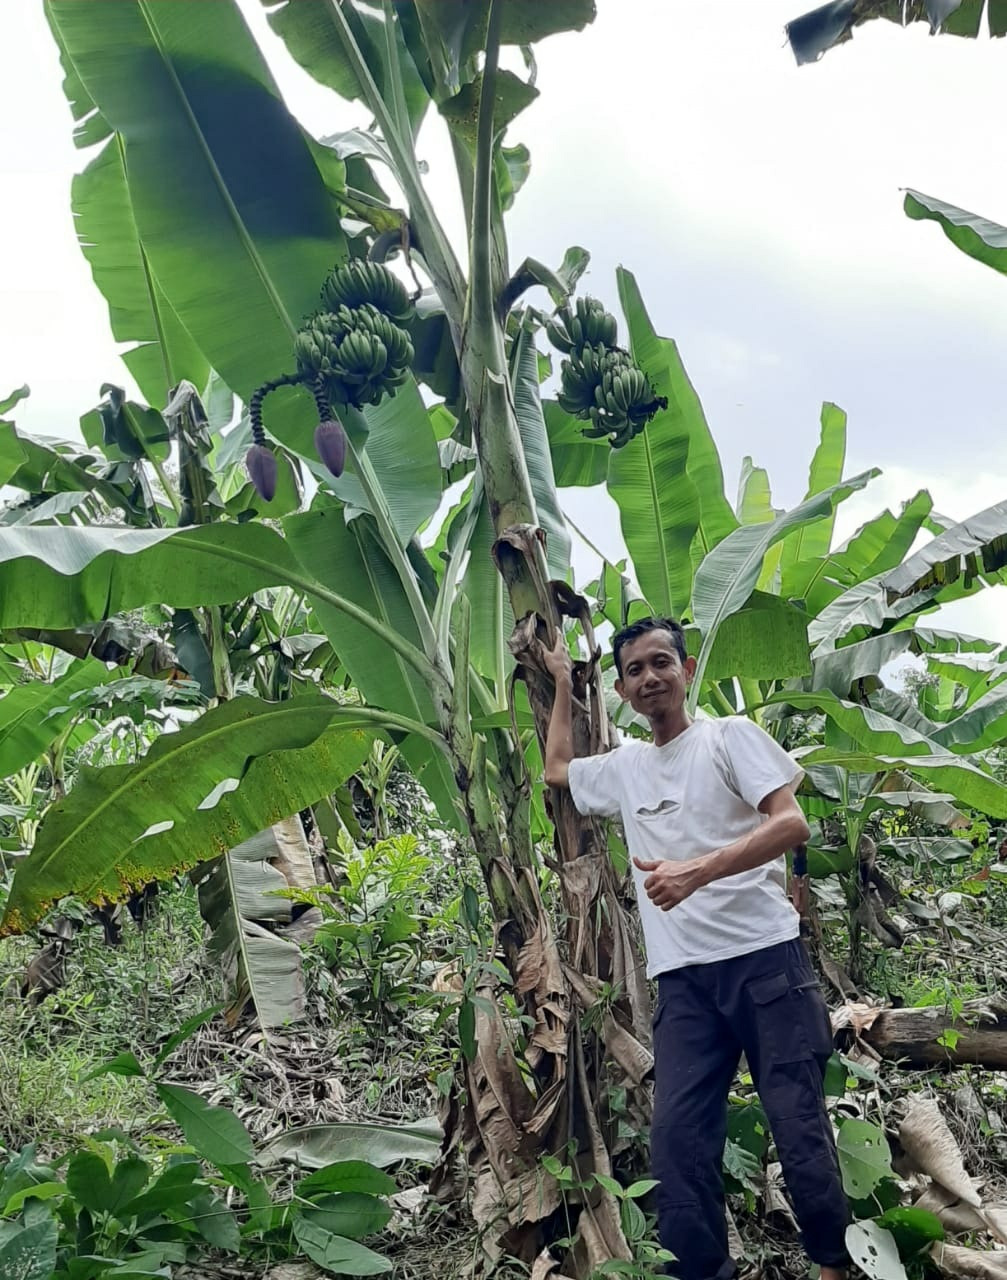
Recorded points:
(355,354)
(359,282)
(600,382)
(589,324)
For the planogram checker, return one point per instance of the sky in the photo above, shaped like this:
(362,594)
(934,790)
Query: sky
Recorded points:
(757,202)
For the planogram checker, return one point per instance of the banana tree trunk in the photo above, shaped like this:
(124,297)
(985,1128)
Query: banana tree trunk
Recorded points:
(510,1120)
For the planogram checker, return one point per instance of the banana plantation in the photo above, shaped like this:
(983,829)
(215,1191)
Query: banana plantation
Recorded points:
(305,969)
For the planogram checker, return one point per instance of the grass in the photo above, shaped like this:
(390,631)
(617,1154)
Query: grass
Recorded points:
(115,999)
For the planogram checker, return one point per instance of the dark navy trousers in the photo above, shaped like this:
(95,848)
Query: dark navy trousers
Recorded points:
(768,1005)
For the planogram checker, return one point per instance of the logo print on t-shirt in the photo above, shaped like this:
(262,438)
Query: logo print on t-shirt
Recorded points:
(666,806)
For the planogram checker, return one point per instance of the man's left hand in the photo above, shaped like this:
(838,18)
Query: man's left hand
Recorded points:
(670,883)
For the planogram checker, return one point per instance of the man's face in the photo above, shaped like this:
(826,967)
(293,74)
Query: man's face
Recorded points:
(654,678)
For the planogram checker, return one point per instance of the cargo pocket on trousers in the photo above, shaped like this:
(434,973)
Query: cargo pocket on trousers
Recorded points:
(780,1020)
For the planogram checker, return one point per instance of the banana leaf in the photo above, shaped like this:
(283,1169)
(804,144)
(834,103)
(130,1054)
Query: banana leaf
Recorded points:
(957,563)
(164,352)
(34,715)
(812,542)
(980,238)
(189,93)
(883,743)
(196,794)
(667,482)
(728,575)
(237,893)
(350,557)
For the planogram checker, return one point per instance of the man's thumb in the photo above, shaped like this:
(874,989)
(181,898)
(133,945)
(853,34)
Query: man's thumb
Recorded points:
(641,865)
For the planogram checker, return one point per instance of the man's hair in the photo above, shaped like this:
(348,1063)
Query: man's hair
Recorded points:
(639,628)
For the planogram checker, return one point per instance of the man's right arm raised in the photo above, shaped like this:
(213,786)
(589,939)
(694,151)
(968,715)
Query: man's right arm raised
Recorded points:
(559,740)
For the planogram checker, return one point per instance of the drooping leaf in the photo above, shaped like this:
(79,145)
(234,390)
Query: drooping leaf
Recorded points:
(55,467)
(124,825)
(981,726)
(237,894)
(951,566)
(217,1134)
(190,94)
(814,33)
(952,774)
(837,670)
(978,237)
(317,1145)
(52,577)
(164,352)
(977,547)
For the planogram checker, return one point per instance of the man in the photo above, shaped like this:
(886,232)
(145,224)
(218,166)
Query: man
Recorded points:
(708,810)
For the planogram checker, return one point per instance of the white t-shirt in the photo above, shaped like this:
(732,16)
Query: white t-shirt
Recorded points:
(694,795)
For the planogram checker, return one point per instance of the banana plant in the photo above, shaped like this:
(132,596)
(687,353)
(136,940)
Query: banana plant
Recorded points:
(439,634)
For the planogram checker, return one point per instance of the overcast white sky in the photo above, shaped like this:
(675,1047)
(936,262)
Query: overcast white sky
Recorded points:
(757,202)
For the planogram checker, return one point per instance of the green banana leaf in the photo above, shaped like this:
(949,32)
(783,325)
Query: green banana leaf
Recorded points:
(755,497)
(814,541)
(974,549)
(667,482)
(188,91)
(883,743)
(237,892)
(951,566)
(660,359)
(839,669)
(767,639)
(877,546)
(576,460)
(727,576)
(350,557)
(401,449)
(492,618)
(34,715)
(164,352)
(535,445)
(981,726)
(814,33)
(58,577)
(56,467)
(978,237)
(197,793)
(51,577)
(311,34)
